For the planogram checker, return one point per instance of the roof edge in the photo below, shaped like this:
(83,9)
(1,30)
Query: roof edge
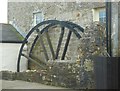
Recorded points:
(11,41)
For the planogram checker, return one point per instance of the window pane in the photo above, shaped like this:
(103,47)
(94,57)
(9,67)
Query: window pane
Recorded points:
(38,17)
(102,16)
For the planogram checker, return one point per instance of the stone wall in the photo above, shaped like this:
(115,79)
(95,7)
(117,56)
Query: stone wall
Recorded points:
(92,41)
(80,73)
(72,47)
(114,29)
(79,13)
(119,28)
(22,12)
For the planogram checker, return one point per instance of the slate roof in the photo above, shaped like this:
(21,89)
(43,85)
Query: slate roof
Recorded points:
(8,34)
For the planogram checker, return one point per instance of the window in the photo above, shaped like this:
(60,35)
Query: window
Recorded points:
(102,16)
(38,17)
(99,14)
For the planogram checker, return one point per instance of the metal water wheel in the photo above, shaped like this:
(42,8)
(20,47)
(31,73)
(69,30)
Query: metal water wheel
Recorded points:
(41,31)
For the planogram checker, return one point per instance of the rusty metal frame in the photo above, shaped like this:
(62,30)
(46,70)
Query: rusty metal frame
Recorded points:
(50,23)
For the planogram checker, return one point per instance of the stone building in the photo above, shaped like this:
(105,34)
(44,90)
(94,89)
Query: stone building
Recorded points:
(115,29)
(25,15)
(89,15)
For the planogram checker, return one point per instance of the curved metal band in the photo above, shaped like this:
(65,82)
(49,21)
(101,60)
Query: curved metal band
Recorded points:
(75,26)
(63,24)
(27,36)
(51,23)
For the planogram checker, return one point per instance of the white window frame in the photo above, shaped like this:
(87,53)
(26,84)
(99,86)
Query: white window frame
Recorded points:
(96,12)
(35,17)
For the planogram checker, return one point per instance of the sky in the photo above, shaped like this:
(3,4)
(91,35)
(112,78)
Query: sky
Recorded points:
(3,11)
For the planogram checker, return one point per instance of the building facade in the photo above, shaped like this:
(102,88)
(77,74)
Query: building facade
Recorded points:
(25,15)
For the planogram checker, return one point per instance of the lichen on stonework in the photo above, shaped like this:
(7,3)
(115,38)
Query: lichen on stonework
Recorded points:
(88,65)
